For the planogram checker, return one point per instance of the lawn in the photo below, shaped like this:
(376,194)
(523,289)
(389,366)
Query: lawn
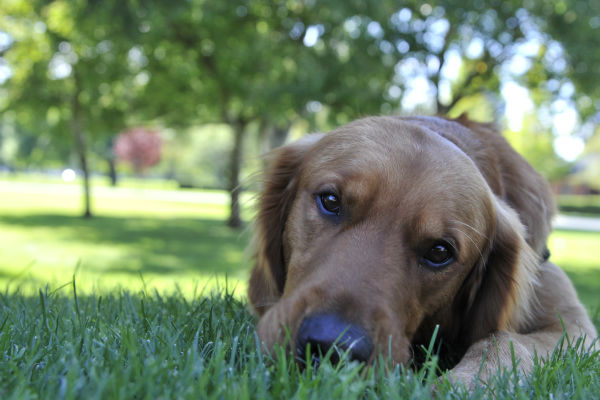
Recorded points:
(151,236)
(575,252)
(142,319)
(164,239)
(62,345)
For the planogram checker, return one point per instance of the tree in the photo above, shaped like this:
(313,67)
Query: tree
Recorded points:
(572,28)
(139,147)
(93,68)
(271,63)
(68,79)
(223,64)
(253,62)
(590,161)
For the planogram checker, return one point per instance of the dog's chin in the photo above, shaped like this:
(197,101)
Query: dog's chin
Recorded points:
(270,331)
(392,346)
(274,328)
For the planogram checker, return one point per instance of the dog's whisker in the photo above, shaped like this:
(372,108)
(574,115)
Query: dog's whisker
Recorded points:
(472,241)
(470,227)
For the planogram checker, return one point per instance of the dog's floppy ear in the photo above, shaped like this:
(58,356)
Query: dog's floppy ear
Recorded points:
(512,178)
(267,278)
(498,294)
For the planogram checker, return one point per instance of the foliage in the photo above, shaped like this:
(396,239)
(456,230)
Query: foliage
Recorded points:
(139,147)
(536,145)
(68,79)
(93,69)
(574,24)
(579,204)
(587,171)
(197,157)
(60,49)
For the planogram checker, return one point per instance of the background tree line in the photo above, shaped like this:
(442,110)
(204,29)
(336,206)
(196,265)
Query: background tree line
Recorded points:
(75,73)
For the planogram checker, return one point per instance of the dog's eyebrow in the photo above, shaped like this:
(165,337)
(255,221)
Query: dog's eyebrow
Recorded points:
(455,221)
(470,240)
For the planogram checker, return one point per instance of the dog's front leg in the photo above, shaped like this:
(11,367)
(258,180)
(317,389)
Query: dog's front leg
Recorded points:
(503,351)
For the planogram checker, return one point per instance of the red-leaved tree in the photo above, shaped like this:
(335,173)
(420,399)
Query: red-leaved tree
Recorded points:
(140,147)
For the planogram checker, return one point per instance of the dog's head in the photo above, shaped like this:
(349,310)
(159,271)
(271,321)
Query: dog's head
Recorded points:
(382,229)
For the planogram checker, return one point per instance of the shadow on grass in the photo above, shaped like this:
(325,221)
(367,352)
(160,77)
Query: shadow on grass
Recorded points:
(145,244)
(168,246)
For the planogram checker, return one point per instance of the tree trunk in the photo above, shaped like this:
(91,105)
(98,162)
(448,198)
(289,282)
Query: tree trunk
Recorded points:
(272,136)
(112,171)
(235,220)
(111,160)
(80,146)
(278,136)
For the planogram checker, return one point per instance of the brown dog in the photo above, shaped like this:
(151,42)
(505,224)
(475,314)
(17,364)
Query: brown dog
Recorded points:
(384,228)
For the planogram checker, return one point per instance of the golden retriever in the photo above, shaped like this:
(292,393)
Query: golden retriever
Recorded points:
(372,235)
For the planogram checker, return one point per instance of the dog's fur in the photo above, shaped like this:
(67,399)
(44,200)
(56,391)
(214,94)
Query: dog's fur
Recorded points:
(405,183)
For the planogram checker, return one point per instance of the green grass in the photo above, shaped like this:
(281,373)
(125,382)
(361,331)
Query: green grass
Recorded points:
(139,238)
(61,345)
(144,319)
(97,181)
(575,252)
(146,236)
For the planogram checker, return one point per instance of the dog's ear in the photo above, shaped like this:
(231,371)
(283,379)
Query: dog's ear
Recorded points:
(498,294)
(267,278)
(512,178)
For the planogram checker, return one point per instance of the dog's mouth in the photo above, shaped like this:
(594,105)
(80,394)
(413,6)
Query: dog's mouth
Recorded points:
(329,337)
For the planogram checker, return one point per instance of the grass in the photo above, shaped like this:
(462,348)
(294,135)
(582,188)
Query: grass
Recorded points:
(146,237)
(140,238)
(144,319)
(61,345)
(575,252)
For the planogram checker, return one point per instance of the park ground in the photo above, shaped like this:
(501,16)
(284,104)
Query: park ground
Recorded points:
(147,300)
(153,236)
(139,237)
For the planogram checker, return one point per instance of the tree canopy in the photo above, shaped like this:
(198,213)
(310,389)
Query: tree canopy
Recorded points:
(79,72)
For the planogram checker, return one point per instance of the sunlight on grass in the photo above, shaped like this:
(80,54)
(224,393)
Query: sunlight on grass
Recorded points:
(169,240)
(166,240)
(575,252)
(26,197)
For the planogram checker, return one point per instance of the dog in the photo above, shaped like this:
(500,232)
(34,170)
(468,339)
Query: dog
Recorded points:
(372,236)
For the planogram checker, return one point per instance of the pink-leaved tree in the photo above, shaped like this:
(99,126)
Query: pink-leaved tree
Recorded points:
(140,147)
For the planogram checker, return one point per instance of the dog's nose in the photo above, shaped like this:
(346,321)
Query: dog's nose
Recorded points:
(323,332)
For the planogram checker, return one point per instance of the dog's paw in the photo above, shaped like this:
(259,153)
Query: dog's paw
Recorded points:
(463,377)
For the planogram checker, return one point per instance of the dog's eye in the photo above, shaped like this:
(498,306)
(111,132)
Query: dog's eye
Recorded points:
(439,255)
(329,203)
